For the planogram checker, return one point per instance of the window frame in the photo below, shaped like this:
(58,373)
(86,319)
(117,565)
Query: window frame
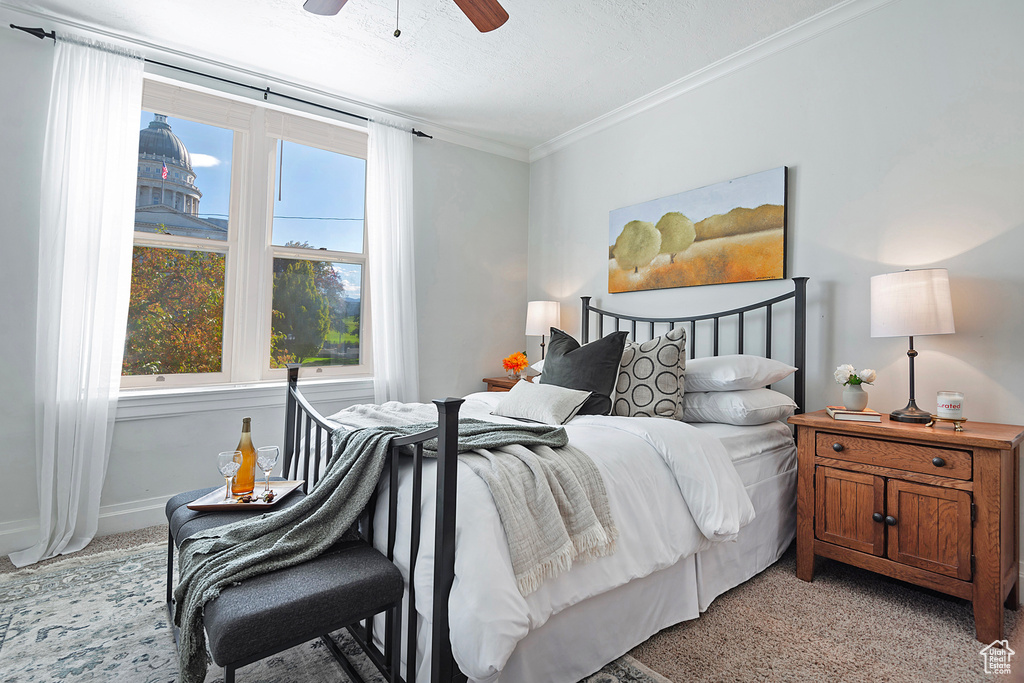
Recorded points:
(250,253)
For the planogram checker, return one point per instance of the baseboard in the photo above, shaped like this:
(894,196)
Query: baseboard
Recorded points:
(17,535)
(22,533)
(137,514)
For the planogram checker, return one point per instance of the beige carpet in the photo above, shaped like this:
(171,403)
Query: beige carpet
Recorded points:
(122,541)
(847,625)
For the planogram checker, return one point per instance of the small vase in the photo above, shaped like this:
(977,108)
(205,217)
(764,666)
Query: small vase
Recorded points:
(854,397)
(514,374)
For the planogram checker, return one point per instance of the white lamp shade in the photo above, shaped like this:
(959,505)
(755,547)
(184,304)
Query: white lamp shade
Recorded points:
(911,303)
(541,316)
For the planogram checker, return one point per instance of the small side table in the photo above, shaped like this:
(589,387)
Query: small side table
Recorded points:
(502,383)
(932,506)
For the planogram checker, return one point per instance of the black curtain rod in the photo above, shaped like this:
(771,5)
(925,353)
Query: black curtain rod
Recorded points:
(40,33)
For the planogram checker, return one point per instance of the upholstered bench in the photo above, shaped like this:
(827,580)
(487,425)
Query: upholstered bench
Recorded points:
(267,614)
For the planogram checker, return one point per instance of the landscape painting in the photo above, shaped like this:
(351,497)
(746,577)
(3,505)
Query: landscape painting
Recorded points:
(733,231)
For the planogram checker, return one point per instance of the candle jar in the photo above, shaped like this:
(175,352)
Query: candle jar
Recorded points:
(950,405)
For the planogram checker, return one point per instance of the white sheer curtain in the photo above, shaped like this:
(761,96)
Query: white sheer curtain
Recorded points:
(90,162)
(391,257)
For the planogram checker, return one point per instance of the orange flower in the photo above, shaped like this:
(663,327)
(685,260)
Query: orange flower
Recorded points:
(516,362)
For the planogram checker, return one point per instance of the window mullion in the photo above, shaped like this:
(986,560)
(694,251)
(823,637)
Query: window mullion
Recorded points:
(251,289)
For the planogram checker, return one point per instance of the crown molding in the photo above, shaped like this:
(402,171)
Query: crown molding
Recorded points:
(275,83)
(802,32)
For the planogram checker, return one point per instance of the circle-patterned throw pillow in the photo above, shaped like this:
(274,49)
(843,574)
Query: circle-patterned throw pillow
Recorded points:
(650,381)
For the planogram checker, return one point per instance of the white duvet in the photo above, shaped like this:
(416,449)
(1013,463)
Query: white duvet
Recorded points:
(672,489)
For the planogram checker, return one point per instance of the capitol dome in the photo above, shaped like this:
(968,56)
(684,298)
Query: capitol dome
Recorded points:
(158,141)
(166,198)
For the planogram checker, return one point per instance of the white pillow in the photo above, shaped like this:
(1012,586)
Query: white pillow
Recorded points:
(734,373)
(746,407)
(547,403)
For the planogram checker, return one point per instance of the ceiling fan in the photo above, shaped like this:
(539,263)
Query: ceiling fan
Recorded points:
(486,15)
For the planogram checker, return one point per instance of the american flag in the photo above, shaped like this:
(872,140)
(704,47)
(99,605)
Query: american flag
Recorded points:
(163,173)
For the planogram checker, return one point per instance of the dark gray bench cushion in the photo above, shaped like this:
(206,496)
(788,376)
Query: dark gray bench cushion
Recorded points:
(347,583)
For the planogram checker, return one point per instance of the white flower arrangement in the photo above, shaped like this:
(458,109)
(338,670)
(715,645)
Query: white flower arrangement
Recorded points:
(847,374)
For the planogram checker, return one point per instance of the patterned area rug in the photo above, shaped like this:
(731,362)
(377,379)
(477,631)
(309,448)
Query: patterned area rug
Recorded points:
(103,618)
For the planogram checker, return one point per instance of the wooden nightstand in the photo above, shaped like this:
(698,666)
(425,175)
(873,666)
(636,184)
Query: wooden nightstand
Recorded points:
(502,383)
(926,505)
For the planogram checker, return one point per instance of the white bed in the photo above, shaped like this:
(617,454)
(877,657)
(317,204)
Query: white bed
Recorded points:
(667,490)
(665,571)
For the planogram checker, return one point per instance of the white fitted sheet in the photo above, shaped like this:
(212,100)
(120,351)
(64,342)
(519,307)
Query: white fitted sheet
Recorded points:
(758,452)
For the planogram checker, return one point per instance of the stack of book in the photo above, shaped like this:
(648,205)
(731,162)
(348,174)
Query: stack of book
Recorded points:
(841,413)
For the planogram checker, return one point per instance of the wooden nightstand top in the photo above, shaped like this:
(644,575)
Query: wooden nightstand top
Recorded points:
(983,434)
(502,383)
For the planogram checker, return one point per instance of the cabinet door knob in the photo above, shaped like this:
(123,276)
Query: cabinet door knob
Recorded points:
(837,447)
(938,462)
(890,520)
(877,517)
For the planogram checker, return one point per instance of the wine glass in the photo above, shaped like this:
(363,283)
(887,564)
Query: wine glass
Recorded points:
(228,463)
(266,458)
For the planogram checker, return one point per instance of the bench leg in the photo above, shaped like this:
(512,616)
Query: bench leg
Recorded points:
(170,566)
(396,637)
(229,674)
(342,660)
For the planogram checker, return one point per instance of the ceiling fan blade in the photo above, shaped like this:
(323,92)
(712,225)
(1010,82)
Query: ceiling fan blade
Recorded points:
(486,15)
(324,7)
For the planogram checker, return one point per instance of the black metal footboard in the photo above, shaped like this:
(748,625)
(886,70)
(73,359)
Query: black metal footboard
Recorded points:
(307,436)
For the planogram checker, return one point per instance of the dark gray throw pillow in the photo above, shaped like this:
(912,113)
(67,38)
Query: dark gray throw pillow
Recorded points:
(593,367)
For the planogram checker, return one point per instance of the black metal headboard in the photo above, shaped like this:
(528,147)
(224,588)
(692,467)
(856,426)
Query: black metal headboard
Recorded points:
(799,296)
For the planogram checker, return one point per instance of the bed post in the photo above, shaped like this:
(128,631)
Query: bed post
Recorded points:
(585,321)
(442,662)
(289,416)
(800,350)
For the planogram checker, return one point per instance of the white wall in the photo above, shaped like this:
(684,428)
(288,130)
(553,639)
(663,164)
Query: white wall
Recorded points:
(471,226)
(25,78)
(903,134)
(471,222)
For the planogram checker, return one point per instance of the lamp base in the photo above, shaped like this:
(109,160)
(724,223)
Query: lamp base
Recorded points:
(911,413)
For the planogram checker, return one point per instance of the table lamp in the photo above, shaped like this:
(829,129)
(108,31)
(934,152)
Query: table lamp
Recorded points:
(541,316)
(909,304)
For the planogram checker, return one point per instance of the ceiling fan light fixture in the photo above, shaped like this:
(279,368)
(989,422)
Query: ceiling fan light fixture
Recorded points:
(324,8)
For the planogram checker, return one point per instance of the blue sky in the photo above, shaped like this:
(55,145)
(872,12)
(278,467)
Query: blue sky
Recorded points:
(322,193)
(766,187)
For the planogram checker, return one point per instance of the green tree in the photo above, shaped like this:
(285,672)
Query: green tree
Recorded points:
(677,234)
(302,314)
(637,245)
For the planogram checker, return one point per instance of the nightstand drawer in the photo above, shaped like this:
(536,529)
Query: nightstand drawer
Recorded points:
(943,462)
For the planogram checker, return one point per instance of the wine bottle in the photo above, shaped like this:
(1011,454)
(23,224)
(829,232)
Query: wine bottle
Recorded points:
(245,478)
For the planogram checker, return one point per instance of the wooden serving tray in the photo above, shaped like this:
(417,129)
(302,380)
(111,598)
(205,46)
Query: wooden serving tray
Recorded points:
(214,500)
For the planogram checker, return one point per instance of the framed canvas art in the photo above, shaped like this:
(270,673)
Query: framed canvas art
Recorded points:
(733,231)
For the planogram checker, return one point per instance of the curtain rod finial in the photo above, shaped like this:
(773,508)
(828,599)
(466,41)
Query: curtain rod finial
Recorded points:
(37,32)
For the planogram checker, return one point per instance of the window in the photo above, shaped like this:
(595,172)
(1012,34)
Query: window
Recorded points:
(317,234)
(249,244)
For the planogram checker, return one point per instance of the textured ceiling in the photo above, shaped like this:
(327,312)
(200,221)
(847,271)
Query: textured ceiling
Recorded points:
(553,66)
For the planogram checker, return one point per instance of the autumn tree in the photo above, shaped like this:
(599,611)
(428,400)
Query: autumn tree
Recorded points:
(677,234)
(175,312)
(637,245)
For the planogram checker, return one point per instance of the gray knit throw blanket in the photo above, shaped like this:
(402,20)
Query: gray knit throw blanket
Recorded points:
(232,553)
